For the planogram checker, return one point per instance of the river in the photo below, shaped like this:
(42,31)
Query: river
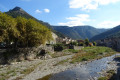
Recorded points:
(87,71)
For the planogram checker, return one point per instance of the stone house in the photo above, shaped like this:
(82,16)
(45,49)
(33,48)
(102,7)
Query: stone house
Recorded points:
(54,41)
(67,40)
(113,43)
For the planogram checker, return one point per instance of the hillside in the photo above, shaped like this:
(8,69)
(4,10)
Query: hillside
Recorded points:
(17,11)
(79,32)
(76,32)
(112,33)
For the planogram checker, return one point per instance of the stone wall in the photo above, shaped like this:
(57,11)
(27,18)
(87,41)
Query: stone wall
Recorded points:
(21,54)
(113,43)
(78,47)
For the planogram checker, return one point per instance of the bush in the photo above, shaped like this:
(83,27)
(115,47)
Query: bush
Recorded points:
(86,42)
(84,59)
(94,43)
(81,44)
(74,43)
(58,47)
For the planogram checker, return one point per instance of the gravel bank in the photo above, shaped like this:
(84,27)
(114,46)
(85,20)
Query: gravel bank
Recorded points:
(43,68)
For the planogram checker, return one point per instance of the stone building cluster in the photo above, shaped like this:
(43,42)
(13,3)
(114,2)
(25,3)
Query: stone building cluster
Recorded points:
(113,43)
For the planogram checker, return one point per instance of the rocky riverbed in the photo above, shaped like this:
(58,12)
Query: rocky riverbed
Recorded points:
(32,70)
(36,69)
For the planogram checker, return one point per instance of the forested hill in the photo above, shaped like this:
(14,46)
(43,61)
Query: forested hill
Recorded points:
(79,32)
(17,11)
(112,33)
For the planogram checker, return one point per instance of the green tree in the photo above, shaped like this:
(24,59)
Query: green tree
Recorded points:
(37,33)
(86,42)
(94,43)
(26,32)
(74,43)
(8,31)
(32,32)
(21,27)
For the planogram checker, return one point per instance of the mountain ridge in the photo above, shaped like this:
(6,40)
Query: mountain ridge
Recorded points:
(75,32)
(79,32)
(18,11)
(112,33)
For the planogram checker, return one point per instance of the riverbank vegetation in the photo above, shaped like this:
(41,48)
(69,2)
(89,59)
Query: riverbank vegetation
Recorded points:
(110,75)
(89,53)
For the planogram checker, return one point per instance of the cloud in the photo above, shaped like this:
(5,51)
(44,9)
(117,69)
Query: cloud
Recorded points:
(46,10)
(77,20)
(108,24)
(38,11)
(89,4)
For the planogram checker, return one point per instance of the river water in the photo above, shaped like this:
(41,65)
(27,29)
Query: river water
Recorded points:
(88,71)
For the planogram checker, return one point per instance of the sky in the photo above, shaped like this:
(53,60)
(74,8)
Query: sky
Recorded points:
(96,13)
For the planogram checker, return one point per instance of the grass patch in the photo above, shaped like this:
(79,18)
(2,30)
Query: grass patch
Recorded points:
(63,53)
(111,72)
(109,76)
(89,53)
(29,70)
(71,50)
(58,54)
(19,78)
(8,74)
(46,77)
(102,78)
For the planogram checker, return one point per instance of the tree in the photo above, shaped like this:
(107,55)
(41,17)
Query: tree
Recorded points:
(32,32)
(86,42)
(21,27)
(74,43)
(94,43)
(37,33)
(8,31)
(25,32)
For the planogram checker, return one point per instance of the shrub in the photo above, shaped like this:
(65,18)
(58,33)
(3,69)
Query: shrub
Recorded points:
(58,47)
(86,42)
(81,44)
(74,43)
(94,43)
(84,59)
